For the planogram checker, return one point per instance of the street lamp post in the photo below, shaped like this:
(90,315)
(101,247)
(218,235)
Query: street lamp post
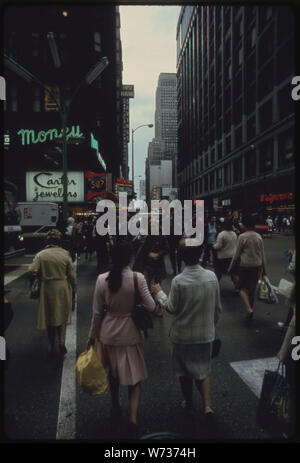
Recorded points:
(64,109)
(132,150)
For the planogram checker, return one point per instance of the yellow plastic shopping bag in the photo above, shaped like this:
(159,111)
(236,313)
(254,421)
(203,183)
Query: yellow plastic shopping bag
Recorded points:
(90,373)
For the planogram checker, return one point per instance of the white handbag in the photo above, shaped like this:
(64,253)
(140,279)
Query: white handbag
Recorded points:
(285,287)
(263,291)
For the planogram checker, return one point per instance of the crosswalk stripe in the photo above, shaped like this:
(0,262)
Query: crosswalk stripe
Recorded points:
(252,371)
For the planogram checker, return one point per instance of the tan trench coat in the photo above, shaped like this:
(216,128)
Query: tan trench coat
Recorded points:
(58,281)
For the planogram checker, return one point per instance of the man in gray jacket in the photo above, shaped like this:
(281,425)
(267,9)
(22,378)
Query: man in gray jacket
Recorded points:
(194,301)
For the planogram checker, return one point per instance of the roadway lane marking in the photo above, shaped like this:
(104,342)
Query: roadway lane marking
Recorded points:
(66,422)
(252,371)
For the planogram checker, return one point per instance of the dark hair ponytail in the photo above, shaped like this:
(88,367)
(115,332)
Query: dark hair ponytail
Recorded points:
(121,255)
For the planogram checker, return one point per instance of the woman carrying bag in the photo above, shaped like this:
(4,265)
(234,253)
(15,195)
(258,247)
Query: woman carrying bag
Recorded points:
(250,256)
(58,283)
(113,326)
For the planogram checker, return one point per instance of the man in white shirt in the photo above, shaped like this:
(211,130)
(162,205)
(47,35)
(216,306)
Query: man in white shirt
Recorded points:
(194,301)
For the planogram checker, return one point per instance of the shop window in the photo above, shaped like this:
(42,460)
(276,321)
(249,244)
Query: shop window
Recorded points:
(266,151)
(227,122)
(250,164)
(286,149)
(212,156)
(237,170)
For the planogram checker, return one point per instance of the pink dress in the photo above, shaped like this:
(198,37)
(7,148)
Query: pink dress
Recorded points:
(121,339)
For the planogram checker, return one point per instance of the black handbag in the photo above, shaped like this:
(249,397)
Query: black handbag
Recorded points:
(140,315)
(216,346)
(274,412)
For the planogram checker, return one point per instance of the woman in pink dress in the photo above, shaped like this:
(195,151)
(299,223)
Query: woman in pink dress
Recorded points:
(113,326)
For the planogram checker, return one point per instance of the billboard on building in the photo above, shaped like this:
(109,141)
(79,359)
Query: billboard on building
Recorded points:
(123,185)
(98,186)
(48,186)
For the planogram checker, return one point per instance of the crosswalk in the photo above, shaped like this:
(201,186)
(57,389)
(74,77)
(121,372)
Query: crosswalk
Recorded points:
(252,371)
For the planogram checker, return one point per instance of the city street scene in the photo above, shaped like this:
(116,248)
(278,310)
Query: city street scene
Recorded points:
(118,328)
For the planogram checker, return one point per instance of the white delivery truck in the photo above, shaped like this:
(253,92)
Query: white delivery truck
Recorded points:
(38,216)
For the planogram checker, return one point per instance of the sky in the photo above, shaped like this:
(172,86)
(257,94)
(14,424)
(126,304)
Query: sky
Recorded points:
(148,36)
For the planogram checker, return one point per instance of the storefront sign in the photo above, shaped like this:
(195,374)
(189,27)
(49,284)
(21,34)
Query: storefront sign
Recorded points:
(30,136)
(123,185)
(97,185)
(270,198)
(48,186)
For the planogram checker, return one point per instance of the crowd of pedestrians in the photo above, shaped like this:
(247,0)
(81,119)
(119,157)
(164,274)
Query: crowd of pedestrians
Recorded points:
(230,247)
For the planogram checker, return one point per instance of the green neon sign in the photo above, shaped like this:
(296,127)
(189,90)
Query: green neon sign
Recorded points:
(29,136)
(95,146)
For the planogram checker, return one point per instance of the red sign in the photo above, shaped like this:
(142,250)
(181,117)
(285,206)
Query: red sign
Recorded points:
(123,181)
(97,184)
(270,198)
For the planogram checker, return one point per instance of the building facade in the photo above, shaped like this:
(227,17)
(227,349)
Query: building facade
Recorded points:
(82,36)
(235,111)
(164,146)
(166,113)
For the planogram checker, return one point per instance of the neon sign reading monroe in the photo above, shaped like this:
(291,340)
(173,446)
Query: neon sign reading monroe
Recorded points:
(29,136)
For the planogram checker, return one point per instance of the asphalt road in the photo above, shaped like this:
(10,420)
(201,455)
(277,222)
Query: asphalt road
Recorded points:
(33,396)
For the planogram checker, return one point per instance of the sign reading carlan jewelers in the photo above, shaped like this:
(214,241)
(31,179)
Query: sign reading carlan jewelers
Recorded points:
(30,136)
(48,186)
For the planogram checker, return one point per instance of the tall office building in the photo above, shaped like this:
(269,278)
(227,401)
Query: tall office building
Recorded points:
(81,36)
(166,113)
(164,146)
(235,112)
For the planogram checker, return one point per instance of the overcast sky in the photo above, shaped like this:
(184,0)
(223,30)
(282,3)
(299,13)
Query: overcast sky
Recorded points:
(148,35)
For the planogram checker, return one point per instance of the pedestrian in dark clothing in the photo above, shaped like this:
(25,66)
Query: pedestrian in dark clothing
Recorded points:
(210,238)
(101,247)
(87,232)
(175,255)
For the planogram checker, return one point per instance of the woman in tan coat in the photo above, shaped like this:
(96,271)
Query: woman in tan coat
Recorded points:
(58,280)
